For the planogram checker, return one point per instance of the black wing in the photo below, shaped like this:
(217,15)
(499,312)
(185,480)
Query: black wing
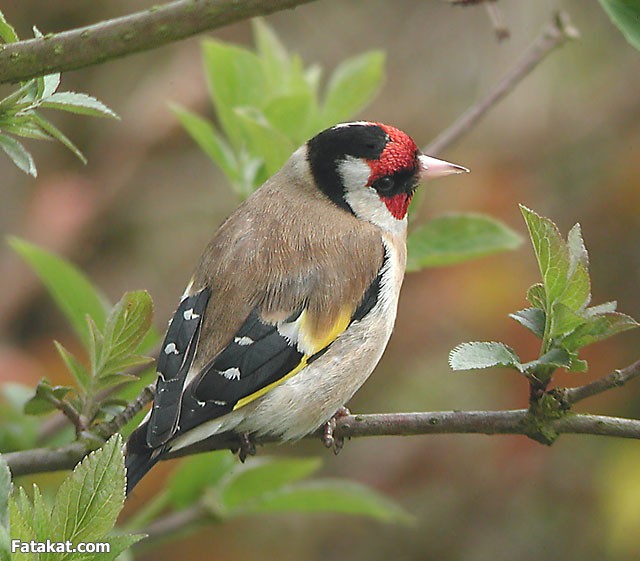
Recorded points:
(260,356)
(175,359)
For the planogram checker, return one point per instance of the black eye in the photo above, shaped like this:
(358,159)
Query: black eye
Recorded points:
(384,184)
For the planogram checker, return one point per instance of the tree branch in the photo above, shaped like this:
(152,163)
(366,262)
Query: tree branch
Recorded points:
(518,421)
(554,34)
(616,379)
(157,26)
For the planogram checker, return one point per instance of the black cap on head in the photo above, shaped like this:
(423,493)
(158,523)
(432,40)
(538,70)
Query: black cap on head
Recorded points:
(328,148)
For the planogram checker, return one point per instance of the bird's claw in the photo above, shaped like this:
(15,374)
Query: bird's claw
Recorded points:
(247,447)
(328,438)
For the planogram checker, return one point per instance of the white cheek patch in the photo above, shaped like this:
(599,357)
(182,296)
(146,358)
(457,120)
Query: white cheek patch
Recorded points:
(354,173)
(365,201)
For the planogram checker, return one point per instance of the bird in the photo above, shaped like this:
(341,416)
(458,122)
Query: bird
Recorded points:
(293,301)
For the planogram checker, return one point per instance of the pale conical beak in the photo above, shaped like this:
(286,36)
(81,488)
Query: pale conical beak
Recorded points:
(430,168)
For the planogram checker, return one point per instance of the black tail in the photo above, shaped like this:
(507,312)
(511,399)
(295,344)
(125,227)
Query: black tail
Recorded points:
(139,458)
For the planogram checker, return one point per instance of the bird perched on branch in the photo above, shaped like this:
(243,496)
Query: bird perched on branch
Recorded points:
(294,299)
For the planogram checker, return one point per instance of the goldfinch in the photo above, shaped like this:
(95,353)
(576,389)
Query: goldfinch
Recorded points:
(294,299)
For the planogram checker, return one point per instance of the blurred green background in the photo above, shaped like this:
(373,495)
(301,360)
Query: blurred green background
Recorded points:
(565,143)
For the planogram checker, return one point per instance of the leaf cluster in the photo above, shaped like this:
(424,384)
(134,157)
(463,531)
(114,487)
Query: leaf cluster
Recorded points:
(84,509)
(560,314)
(20,111)
(114,338)
(222,489)
(267,104)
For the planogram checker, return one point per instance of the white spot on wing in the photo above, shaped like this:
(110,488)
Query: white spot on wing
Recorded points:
(243,341)
(171,349)
(231,373)
(218,402)
(189,314)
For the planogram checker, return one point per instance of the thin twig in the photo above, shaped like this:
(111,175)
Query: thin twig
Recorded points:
(614,380)
(554,34)
(141,31)
(42,460)
(105,430)
(174,524)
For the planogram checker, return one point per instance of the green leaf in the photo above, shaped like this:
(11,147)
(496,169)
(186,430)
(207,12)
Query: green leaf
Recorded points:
(126,326)
(96,344)
(263,476)
(46,398)
(625,15)
(196,473)
(468,356)
(209,141)
(50,84)
(22,521)
(551,253)
(79,103)
(290,115)
(117,545)
(22,126)
(71,290)
(56,133)
(7,32)
(18,99)
(531,318)
(600,309)
(41,518)
(598,328)
(79,372)
(273,55)
(18,154)
(536,296)
(563,320)
(5,490)
(556,358)
(236,79)
(577,365)
(353,84)
(112,380)
(577,294)
(29,521)
(330,495)
(88,502)
(30,92)
(262,139)
(456,238)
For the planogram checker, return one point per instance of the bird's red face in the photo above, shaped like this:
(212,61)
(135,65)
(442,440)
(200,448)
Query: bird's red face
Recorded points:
(399,157)
(371,170)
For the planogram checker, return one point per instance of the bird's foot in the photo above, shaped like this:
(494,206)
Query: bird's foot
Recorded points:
(328,438)
(247,447)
